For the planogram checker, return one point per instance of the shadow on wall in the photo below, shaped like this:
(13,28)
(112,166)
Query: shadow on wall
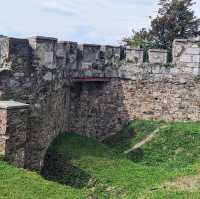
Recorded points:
(98,109)
(4,76)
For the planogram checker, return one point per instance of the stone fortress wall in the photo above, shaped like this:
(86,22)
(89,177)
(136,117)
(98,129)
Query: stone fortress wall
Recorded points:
(88,89)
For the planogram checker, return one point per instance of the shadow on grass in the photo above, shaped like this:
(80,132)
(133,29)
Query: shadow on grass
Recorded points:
(58,162)
(63,154)
(2,158)
(132,134)
(66,149)
(59,168)
(136,155)
(122,140)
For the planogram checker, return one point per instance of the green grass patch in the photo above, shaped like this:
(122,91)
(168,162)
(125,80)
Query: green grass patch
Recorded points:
(80,167)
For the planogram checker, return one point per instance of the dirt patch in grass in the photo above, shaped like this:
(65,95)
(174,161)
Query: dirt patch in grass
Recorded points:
(188,183)
(146,140)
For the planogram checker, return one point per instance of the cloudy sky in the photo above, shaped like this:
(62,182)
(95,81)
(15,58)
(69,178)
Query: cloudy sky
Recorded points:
(85,21)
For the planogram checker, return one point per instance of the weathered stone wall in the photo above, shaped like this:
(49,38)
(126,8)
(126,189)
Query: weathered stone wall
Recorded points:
(31,73)
(98,109)
(174,99)
(102,109)
(148,90)
(94,90)
(186,55)
(14,131)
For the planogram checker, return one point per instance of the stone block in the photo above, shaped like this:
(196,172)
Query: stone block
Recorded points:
(196,58)
(192,51)
(186,58)
(134,55)
(117,52)
(44,51)
(4,50)
(73,56)
(157,56)
(19,48)
(186,51)
(2,146)
(174,70)
(191,65)
(3,140)
(188,69)
(111,53)
(48,76)
(61,49)
(156,69)
(90,52)
(196,71)
(15,54)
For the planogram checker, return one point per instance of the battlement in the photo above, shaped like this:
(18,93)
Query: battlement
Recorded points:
(186,55)
(157,56)
(82,59)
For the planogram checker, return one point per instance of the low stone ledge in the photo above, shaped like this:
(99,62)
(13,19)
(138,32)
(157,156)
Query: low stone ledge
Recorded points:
(8,105)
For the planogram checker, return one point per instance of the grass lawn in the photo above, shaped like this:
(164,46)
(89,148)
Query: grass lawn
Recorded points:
(167,166)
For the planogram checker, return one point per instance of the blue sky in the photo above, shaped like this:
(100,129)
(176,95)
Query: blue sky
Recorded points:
(85,21)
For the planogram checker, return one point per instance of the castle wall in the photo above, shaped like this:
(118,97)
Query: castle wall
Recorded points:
(30,73)
(94,90)
(175,99)
(99,110)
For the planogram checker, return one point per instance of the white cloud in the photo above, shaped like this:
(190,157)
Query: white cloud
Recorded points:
(59,7)
(85,21)
(197,8)
(108,21)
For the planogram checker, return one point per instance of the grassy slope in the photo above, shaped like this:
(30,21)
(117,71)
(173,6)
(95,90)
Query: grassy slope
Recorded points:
(102,169)
(20,184)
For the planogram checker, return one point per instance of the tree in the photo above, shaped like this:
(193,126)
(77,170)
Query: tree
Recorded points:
(175,19)
(140,39)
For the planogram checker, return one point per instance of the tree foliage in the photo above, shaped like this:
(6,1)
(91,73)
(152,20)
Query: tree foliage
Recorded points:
(175,19)
(140,39)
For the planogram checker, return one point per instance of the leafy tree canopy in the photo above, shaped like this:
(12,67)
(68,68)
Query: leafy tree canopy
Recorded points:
(175,19)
